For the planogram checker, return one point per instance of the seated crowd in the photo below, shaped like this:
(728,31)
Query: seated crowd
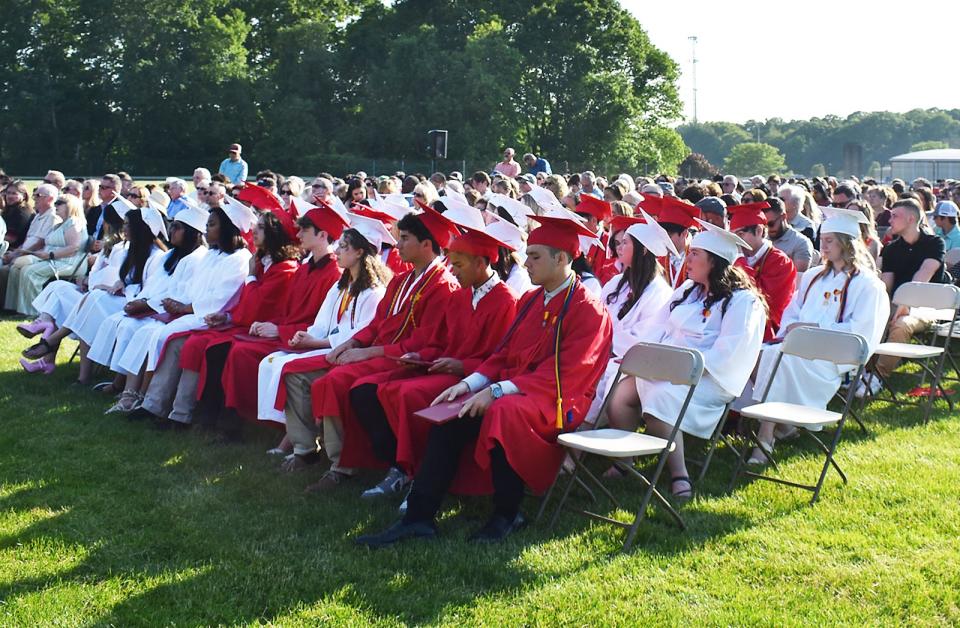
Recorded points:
(340,309)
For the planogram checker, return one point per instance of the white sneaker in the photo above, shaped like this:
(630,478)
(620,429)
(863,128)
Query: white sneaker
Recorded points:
(393,484)
(868,387)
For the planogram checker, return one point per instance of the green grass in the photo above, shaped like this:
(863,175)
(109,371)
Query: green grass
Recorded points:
(107,522)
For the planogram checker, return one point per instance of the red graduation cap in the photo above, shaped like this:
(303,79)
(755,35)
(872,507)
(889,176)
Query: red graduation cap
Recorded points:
(368,212)
(261,198)
(677,212)
(559,233)
(328,220)
(442,229)
(473,242)
(747,215)
(619,223)
(589,204)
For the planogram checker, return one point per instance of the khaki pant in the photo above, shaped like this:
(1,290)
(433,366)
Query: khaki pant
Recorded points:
(164,395)
(899,330)
(302,429)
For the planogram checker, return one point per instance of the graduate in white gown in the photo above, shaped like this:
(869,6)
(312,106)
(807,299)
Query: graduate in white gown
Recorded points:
(717,311)
(842,294)
(349,306)
(634,297)
(217,281)
(143,227)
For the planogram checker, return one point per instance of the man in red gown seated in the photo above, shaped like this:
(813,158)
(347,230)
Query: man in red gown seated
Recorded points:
(476,318)
(538,383)
(318,387)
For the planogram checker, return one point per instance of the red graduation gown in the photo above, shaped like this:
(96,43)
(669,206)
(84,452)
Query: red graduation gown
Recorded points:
(395,264)
(525,424)
(467,335)
(257,302)
(775,276)
(402,317)
(673,280)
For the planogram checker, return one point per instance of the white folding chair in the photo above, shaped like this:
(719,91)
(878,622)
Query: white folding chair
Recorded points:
(951,258)
(682,367)
(943,297)
(809,343)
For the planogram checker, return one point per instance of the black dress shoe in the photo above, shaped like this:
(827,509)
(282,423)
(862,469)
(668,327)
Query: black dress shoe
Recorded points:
(141,414)
(166,425)
(398,532)
(498,528)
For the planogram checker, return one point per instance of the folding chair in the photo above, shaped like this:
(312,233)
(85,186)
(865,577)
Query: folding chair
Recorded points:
(715,439)
(928,295)
(809,343)
(682,367)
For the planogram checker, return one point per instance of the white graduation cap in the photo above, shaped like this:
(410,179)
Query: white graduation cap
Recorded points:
(509,234)
(193,216)
(449,193)
(463,215)
(122,205)
(513,207)
(337,205)
(845,221)
(544,198)
(374,231)
(299,206)
(191,202)
(159,199)
(239,214)
(652,236)
(394,207)
(154,219)
(718,241)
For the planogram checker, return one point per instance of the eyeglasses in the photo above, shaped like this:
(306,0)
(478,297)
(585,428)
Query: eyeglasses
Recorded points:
(840,204)
(285,192)
(319,186)
(60,203)
(132,195)
(264,183)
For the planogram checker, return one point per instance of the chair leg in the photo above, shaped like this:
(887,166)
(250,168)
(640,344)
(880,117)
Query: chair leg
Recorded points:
(566,493)
(828,462)
(642,510)
(546,496)
(711,448)
(738,468)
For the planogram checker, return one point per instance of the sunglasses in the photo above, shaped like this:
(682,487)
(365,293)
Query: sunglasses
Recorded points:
(285,192)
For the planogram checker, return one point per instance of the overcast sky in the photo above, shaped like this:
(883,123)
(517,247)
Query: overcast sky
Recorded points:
(759,60)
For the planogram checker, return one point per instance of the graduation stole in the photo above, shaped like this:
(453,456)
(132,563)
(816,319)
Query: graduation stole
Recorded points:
(557,323)
(345,299)
(843,292)
(413,300)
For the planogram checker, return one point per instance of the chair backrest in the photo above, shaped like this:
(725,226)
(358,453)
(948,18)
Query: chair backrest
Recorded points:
(952,258)
(663,363)
(814,258)
(813,343)
(939,296)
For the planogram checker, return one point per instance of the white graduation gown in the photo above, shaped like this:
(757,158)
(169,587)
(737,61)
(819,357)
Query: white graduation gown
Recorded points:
(730,344)
(628,331)
(814,382)
(215,286)
(98,305)
(115,335)
(325,325)
(58,298)
(519,280)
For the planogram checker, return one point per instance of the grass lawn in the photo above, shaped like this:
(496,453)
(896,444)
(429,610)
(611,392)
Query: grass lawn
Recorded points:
(103,521)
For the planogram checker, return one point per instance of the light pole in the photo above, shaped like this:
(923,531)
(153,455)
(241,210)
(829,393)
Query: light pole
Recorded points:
(693,45)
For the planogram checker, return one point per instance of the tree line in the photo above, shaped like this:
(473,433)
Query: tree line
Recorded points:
(161,87)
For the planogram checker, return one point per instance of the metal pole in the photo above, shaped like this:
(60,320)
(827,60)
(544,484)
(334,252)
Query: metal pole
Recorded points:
(693,44)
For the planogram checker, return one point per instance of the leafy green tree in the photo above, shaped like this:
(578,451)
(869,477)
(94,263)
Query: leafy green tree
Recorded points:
(751,158)
(696,166)
(928,145)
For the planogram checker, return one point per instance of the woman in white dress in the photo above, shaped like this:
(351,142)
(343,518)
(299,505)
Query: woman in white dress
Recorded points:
(717,311)
(349,306)
(63,250)
(635,297)
(140,316)
(143,228)
(843,294)
(59,297)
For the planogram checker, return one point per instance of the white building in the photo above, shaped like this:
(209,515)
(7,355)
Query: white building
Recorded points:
(941,163)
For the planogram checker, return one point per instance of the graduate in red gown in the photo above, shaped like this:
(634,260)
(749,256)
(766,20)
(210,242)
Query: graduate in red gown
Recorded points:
(410,311)
(677,218)
(229,390)
(768,266)
(538,383)
(476,318)
(597,214)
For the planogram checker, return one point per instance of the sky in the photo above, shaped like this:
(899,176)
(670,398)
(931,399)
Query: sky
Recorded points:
(791,63)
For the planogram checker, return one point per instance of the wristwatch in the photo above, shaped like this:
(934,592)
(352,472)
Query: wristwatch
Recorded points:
(496,390)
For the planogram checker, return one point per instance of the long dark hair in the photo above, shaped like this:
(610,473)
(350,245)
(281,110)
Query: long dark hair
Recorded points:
(643,269)
(188,244)
(506,260)
(276,243)
(723,280)
(230,238)
(371,272)
(112,228)
(141,241)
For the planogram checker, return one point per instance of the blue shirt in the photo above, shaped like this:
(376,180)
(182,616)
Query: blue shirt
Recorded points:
(541,165)
(236,171)
(950,240)
(174,207)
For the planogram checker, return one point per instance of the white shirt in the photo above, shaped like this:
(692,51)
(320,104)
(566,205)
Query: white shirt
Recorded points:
(484,289)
